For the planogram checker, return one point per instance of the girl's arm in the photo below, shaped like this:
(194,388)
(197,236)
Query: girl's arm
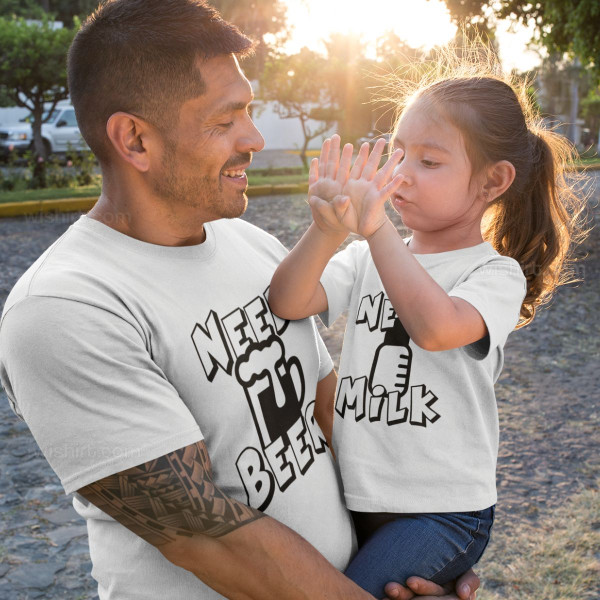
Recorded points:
(324,401)
(295,291)
(433,319)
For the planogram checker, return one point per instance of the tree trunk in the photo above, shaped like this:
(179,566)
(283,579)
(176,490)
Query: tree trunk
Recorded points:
(307,138)
(574,108)
(39,149)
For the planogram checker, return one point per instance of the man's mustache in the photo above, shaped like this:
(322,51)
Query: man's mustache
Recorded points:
(237,161)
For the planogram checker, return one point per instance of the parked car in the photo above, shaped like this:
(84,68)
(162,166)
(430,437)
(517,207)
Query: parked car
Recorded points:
(60,133)
(372,137)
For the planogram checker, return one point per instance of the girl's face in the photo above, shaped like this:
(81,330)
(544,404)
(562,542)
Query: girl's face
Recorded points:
(438,193)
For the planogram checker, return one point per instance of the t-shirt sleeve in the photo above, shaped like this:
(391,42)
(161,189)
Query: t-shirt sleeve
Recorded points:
(496,289)
(325,362)
(85,383)
(338,280)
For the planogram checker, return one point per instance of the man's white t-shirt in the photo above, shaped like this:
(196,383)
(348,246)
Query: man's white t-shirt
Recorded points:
(116,351)
(417,431)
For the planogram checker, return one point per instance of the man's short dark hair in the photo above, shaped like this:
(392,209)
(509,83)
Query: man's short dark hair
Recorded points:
(139,56)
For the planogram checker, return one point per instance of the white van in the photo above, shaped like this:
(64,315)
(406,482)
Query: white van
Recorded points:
(60,133)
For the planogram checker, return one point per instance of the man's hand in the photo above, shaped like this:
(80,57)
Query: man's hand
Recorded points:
(466,589)
(361,206)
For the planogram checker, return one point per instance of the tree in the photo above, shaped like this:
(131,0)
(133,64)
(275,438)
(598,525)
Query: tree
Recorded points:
(299,86)
(259,19)
(562,26)
(61,10)
(33,69)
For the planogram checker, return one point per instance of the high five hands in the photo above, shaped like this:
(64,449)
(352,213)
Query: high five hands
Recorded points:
(344,199)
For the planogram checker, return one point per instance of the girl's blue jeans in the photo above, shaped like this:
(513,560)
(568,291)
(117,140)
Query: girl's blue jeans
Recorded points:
(436,546)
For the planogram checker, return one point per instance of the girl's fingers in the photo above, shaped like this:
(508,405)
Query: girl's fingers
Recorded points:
(340,206)
(345,162)
(334,157)
(359,163)
(372,164)
(313,173)
(323,208)
(386,172)
(392,186)
(324,157)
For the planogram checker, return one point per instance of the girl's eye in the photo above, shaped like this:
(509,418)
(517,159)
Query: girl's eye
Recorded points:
(429,164)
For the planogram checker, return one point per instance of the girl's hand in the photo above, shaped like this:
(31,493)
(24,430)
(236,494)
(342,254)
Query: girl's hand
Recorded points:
(326,180)
(361,206)
(329,173)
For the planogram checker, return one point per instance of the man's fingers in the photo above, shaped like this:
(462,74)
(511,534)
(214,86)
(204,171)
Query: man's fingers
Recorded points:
(313,173)
(359,163)
(334,157)
(374,159)
(345,162)
(324,157)
(395,591)
(468,583)
(424,587)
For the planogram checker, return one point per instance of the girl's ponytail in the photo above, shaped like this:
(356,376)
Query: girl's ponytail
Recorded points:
(539,221)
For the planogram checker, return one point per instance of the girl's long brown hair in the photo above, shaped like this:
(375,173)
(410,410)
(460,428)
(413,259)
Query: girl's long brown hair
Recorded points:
(541,217)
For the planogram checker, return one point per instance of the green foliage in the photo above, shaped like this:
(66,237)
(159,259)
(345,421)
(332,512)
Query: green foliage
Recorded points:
(61,10)
(262,20)
(74,170)
(32,60)
(572,26)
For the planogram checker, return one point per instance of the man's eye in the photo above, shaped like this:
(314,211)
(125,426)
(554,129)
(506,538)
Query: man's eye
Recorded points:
(225,125)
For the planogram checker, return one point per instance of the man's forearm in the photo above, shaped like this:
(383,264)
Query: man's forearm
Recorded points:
(173,504)
(262,560)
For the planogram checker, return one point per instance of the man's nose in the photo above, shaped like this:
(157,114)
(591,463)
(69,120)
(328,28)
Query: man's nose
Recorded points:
(252,141)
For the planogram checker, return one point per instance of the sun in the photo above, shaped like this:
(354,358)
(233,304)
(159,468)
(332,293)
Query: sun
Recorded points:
(420,23)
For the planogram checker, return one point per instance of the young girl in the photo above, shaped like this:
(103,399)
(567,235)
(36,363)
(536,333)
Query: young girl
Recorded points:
(482,187)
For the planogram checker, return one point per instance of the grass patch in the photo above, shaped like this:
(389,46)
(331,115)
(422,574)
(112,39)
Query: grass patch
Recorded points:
(50,194)
(593,161)
(276,179)
(556,559)
(94,190)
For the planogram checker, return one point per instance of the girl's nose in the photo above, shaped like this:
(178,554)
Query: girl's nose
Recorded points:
(403,172)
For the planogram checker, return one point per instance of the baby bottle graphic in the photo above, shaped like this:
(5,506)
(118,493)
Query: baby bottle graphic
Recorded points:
(391,365)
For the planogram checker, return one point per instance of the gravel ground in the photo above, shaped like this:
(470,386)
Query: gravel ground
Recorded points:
(547,399)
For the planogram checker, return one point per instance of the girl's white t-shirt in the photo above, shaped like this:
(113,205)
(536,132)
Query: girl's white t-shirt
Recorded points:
(417,431)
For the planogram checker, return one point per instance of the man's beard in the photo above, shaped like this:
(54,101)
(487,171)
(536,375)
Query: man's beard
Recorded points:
(201,192)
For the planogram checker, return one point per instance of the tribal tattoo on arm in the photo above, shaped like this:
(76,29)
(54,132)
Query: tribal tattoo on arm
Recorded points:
(171,496)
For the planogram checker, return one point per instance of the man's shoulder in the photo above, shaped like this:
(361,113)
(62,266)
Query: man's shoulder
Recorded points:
(243,230)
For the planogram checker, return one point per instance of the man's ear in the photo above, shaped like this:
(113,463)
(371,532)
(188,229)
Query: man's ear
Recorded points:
(132,138)
(499,178)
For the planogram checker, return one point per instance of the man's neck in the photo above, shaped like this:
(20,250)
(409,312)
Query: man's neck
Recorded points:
(148,219)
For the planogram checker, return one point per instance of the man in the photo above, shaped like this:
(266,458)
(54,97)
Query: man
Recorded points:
(140,349)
